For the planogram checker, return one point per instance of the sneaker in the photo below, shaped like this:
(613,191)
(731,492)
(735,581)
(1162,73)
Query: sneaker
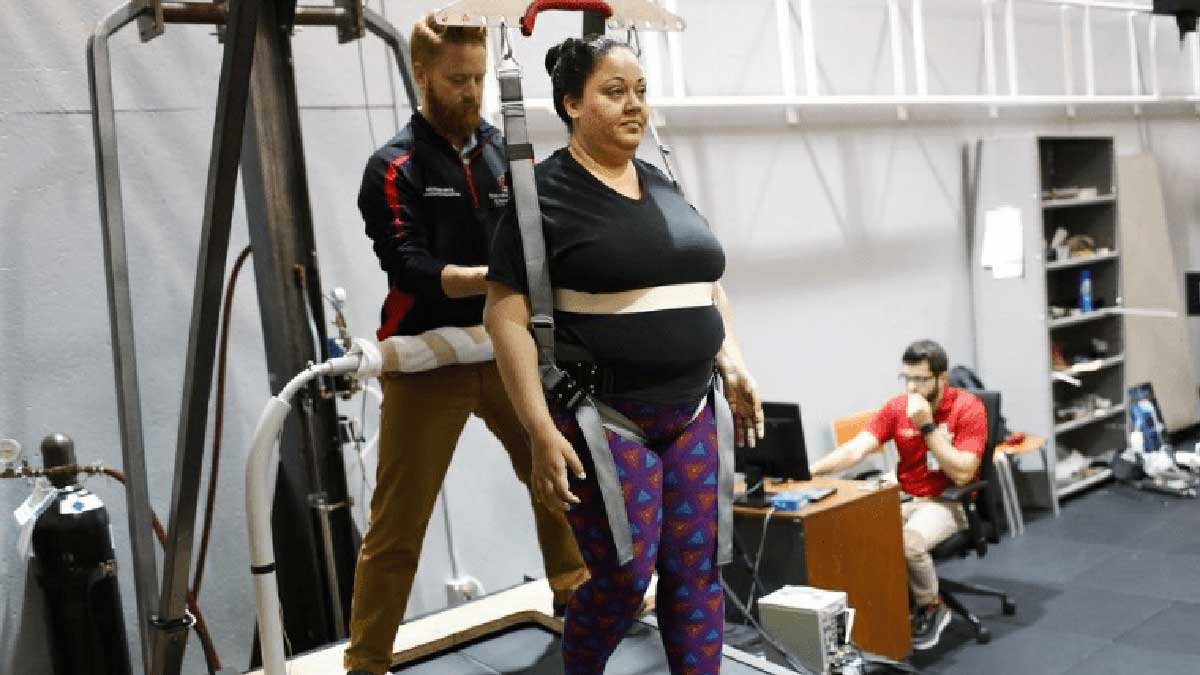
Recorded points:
(928,624)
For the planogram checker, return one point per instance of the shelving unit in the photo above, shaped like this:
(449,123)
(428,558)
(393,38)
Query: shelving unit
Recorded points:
(1082,261)
(1082,422)
(1016,337)
(1077,201)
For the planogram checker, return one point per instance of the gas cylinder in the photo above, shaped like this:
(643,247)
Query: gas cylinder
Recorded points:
(76,568)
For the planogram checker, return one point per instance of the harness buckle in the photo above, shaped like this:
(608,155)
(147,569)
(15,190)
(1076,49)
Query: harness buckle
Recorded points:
(561,389)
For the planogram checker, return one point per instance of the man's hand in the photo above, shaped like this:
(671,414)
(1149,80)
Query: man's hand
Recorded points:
(919,412)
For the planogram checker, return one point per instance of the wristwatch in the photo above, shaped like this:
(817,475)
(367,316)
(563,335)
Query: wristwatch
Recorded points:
(928,428)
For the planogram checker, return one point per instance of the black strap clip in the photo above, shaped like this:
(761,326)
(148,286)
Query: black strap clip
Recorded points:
(562,390)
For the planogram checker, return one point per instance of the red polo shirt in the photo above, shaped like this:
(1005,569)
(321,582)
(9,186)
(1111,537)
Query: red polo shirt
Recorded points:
(960,412)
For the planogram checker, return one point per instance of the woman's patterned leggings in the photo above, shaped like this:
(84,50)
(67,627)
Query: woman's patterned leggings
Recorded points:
(670,488)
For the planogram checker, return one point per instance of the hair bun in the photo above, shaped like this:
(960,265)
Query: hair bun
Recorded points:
(552,57)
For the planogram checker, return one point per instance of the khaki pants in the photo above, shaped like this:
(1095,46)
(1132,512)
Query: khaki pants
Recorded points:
(422,418)
(928,521)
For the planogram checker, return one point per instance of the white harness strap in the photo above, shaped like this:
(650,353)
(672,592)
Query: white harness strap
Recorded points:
(638,300)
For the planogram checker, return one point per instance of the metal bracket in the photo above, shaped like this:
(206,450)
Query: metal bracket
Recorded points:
(351,23)
(150,19)
(644,14)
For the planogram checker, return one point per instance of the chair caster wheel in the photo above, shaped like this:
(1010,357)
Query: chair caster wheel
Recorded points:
(1009,607)
(984,636)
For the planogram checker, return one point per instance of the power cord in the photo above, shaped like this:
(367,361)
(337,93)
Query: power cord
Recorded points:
(792,661)
(762,541)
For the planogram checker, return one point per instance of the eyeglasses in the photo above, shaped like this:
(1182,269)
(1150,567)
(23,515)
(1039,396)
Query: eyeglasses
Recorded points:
(915,379)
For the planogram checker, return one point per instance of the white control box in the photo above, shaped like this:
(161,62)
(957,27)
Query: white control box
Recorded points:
(807,621)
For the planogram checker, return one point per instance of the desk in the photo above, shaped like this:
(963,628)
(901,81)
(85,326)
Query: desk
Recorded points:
(850,541)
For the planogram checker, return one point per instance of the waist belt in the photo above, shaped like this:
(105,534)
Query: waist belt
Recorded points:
(639,300)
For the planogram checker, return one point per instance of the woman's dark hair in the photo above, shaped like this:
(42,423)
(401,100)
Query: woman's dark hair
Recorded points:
(570,63)
(926,351)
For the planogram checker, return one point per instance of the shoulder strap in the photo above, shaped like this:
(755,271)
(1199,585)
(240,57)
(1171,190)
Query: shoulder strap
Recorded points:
(529,214)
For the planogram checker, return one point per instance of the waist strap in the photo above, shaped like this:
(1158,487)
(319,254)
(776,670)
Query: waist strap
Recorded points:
(652,299)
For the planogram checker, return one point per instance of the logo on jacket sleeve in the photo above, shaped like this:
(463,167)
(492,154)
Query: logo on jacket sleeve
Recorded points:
(500,199)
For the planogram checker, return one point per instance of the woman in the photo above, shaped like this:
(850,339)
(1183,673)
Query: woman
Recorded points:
(639,314)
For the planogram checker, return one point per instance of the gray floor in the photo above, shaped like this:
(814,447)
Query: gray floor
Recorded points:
(1110,587)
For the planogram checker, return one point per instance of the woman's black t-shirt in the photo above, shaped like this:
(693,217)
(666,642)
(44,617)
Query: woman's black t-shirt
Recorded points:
(600,241)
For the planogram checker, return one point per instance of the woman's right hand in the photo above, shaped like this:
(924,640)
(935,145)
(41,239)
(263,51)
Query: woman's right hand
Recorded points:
(553,456)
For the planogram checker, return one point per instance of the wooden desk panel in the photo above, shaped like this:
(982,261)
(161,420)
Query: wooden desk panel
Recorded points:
(853,543)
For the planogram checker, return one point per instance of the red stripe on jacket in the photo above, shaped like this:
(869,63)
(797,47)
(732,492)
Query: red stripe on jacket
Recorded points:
(392,193)
(395,307)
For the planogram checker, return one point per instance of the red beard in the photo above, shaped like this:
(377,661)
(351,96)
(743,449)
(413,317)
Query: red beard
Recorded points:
(457,122)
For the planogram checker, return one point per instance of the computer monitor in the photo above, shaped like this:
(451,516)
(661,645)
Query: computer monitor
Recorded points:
(781,452)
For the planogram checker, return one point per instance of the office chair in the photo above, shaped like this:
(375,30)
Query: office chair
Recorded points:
(979,501)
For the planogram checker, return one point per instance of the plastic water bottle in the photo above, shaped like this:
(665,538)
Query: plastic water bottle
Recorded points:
(1085,291)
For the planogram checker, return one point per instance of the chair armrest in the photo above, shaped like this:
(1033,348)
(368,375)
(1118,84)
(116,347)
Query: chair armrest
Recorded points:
(963,494)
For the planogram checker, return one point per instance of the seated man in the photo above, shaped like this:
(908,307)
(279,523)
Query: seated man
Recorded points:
(940,433)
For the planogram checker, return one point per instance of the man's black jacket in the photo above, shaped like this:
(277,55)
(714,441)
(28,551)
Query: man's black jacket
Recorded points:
(425,207)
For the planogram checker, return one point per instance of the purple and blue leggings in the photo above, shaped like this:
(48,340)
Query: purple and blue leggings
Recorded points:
(670,488)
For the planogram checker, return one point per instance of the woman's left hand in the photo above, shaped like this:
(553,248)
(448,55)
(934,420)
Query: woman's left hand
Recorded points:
(742,394)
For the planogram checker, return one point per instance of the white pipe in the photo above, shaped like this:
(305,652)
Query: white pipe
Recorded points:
(1155,84)
(1089,53)
(260,461)
(1135,79)
(899,86)
(1010,46)
(807,32)
(787,53)
(675,50)
(652,49)
(989,52)
(1068,40)
(1098,4)
(920,58)
(262,550)
(1194,38)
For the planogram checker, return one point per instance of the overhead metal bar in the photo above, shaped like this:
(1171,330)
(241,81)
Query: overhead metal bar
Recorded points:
(792,103)
(214,13)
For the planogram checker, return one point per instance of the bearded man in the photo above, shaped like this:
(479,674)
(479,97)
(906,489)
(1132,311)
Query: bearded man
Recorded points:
(431,199)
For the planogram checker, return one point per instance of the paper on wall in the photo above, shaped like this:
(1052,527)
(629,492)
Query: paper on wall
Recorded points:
(1003,243)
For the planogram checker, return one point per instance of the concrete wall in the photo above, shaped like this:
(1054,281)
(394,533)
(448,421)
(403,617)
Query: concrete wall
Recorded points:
(844,237)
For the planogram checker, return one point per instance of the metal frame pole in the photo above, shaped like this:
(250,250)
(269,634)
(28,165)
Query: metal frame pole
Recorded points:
(381,28)
(120,316)
(232,97)
(316,578)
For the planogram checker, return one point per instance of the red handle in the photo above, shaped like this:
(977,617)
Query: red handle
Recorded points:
(538,6)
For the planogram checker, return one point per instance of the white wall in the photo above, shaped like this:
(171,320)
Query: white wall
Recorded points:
(844,240)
